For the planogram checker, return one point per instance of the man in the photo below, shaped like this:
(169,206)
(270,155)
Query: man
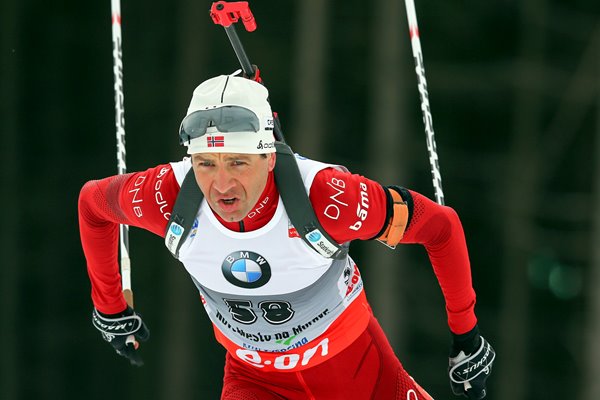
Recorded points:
(289,308)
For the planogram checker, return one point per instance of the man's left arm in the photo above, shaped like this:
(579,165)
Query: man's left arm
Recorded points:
(439,229)
(354,207)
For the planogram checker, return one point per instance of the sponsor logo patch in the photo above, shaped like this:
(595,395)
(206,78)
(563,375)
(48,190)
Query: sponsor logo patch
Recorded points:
(194,230)
(265,145)
(320,243)
(246,269)
(173,237)
(176,229)
(287,361)
(314,236)
(292,232)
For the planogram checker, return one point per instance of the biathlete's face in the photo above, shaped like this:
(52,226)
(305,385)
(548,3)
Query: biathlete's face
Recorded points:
(232,183)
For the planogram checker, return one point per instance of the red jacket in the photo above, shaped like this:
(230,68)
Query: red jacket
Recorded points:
(145,200)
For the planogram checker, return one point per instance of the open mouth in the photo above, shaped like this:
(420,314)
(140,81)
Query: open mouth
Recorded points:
(228,204)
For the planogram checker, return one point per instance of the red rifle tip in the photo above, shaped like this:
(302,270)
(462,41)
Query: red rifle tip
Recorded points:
(226,14)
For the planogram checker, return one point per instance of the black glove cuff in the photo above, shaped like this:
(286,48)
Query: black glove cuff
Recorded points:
(467,342)
(116,326)
(125,313)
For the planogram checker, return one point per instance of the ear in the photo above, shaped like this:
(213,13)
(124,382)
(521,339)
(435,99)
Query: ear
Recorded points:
(271,158)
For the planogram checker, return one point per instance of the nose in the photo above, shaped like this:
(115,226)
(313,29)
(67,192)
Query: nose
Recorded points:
(223,181)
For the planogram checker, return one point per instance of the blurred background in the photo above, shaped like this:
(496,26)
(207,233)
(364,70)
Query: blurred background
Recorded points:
(514,91)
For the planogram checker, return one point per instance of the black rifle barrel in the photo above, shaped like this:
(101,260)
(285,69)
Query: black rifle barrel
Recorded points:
(239,51)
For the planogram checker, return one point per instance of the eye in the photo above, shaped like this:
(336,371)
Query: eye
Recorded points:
(239,162)
(204,163)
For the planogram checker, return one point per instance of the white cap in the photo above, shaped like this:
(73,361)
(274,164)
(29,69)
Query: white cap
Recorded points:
(229,90)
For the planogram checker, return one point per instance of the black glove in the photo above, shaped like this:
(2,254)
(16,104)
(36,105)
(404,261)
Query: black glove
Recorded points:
(116,329)
(471,358)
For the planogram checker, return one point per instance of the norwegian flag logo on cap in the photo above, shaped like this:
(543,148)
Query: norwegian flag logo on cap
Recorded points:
(215,141)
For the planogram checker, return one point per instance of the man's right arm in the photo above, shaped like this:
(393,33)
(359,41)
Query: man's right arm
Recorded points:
(142,199)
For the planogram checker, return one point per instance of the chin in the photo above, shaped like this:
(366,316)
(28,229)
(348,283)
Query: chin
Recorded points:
(231,217)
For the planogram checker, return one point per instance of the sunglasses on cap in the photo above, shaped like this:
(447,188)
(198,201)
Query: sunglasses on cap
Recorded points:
(225,119)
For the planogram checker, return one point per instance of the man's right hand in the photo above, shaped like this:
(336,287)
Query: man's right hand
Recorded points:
(117,328)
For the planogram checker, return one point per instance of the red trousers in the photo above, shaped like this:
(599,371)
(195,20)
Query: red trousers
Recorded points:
(367,369)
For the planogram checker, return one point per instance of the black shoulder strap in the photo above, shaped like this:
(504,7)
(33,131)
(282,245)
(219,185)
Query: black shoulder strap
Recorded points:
(293,194)
(183,214)
(298,206)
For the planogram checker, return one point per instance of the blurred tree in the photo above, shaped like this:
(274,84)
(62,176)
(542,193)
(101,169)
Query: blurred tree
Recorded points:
(539,149)
(182,348)
(520,201)
(308,78)
(10,157)
(387,146)
(591,382)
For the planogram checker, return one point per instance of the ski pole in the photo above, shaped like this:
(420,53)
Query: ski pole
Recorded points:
(121,166)
(423,94)
(227,14)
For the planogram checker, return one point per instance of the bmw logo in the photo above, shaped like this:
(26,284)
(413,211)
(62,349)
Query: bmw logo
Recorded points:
(246,269)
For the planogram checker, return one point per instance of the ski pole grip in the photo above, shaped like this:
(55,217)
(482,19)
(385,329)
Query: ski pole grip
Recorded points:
(128,294)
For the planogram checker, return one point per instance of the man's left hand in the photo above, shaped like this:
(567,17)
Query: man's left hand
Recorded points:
(471,359)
